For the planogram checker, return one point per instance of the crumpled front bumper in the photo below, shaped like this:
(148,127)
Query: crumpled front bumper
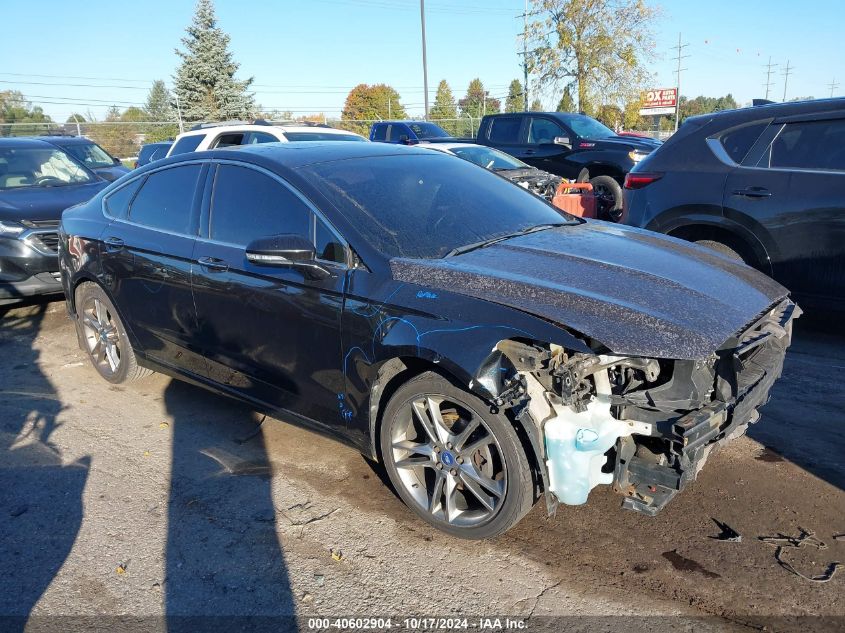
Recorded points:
(649,483)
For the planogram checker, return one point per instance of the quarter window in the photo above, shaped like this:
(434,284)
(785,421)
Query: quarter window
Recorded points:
(810,145)
(166,199)
(329,248)
(739,141)
(117,204)
(247,205)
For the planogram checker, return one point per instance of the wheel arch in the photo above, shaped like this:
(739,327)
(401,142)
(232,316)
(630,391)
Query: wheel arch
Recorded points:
(591,170)
(735,237)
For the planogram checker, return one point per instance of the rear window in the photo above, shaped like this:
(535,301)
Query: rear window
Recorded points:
(505,130)
(738,141)
(187,144)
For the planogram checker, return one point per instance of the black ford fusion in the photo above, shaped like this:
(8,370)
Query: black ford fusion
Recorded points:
(487,349)
(37,182)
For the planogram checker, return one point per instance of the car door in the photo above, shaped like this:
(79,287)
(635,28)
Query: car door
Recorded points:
(270,333)
(793,184)
(541,151)
(146,261)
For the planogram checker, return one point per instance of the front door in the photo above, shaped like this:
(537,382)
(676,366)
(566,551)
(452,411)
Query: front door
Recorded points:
(270,333)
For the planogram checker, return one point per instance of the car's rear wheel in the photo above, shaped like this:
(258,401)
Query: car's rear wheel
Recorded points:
(608,195)
(104,337)
(456,464)
(719,247)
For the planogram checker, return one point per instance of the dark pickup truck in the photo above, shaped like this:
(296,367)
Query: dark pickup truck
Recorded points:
(570,145)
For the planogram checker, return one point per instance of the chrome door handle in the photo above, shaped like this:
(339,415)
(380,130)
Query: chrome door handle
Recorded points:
(213,264)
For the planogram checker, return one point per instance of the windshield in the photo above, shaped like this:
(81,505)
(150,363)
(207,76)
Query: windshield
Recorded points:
(488,158)
(92,155)
(427,206)
(39,167)
(428,130)
(322,136)
(585,127)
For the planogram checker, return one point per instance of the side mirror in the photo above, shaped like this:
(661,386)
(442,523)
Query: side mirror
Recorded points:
(562,140)
(117,161)
(286,250)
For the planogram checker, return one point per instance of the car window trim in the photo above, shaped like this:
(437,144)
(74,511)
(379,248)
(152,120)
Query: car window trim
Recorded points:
(315,212)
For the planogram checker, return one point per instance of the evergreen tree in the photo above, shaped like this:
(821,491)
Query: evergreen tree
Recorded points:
(158,103)
(477,102)
(566,103)
(536,106)
(515,101)
(445,108)
(205,82)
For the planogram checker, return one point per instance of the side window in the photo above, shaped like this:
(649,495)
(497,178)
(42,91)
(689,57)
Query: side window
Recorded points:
(253,138)
(166,199)
(329,248)
(187,144)
(247,204)
(228,140)
(738,141)
(505,129)
(117,203)
(544,131)
(810,145)
(380,133)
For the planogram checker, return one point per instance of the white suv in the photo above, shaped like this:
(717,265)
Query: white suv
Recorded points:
(211,135)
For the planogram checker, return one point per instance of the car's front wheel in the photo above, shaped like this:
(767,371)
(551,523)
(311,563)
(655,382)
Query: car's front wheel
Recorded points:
(104,337)
(455,463)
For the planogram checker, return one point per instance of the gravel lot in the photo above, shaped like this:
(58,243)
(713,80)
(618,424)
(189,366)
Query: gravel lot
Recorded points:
(159,498)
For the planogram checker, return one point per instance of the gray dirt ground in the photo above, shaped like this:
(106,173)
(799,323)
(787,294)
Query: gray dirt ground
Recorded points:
(160,498)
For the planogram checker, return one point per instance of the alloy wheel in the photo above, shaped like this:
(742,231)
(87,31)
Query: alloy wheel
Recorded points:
(448,461)
(102,336)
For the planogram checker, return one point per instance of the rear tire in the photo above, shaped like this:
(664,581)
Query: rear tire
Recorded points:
(608,194)
(458,466)
(103,336)
(719,247)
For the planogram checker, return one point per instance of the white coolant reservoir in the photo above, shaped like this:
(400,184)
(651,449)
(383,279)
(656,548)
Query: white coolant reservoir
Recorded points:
(576,444)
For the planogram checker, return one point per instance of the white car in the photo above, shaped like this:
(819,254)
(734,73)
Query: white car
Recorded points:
(212,135)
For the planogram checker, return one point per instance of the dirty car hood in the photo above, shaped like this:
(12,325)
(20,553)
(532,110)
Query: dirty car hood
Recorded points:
(639,293)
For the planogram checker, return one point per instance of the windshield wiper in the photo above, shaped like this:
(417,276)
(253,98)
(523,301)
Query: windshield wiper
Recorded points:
(459,250)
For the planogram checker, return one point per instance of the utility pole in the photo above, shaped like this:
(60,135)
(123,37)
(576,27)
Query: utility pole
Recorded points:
(833,86)
(525,58)
(680,48)
(786,72)
(79,131)
(769,83)
(425,63)
(389,108)
(179,112)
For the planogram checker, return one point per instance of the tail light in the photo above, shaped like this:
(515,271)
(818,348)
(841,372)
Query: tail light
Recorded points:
(638,180)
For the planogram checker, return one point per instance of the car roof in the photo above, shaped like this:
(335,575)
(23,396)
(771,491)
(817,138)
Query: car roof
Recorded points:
(774,110)
(275,130)
(299,153)
(21,141)
(61,139)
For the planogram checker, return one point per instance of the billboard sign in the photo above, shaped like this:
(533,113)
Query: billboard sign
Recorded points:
(659,101)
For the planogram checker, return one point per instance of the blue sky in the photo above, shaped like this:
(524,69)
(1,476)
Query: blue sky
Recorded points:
(306,55)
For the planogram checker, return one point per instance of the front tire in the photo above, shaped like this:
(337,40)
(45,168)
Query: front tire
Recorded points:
(103,336)
(456,464)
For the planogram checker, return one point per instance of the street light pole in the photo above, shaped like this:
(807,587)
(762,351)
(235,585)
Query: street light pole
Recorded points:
(425,62)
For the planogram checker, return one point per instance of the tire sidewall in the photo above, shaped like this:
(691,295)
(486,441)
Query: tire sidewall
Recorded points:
(518,468)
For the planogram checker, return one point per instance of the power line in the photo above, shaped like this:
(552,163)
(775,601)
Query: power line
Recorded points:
(769,83)
(680,48)
(833,86)
(786,72)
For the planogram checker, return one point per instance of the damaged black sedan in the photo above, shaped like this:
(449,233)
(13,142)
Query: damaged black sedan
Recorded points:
(488,350)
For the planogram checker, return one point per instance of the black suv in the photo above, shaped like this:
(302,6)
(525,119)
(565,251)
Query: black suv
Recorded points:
(765,184)
(572,146)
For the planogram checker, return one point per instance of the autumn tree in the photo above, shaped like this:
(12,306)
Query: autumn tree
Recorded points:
(515,101)
(365,104)
(477,101)
(445,108)
(536,106)
(205,81)
(598,46)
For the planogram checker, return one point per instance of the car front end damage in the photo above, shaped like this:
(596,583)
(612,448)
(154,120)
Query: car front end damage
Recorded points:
(646,426)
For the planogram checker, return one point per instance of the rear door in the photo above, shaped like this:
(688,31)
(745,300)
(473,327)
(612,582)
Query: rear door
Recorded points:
(270,333)
(506,133)
(146,261)
(793,184)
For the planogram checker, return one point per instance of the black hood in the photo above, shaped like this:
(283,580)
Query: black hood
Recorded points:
(639,293)
(641,144)
(45,203)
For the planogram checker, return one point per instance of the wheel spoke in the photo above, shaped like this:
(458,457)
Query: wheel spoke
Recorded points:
(436,500)
(90,323)
(415,462)
(98,347)
(495,487)
(451,507)
(433,408)
(100,312)
(461,439)
(414,448)
(477,444)
(111,354)
(477,491)
(421,411)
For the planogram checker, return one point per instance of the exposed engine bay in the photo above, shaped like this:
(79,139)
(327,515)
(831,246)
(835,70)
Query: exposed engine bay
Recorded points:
(537,181)
(644,425)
